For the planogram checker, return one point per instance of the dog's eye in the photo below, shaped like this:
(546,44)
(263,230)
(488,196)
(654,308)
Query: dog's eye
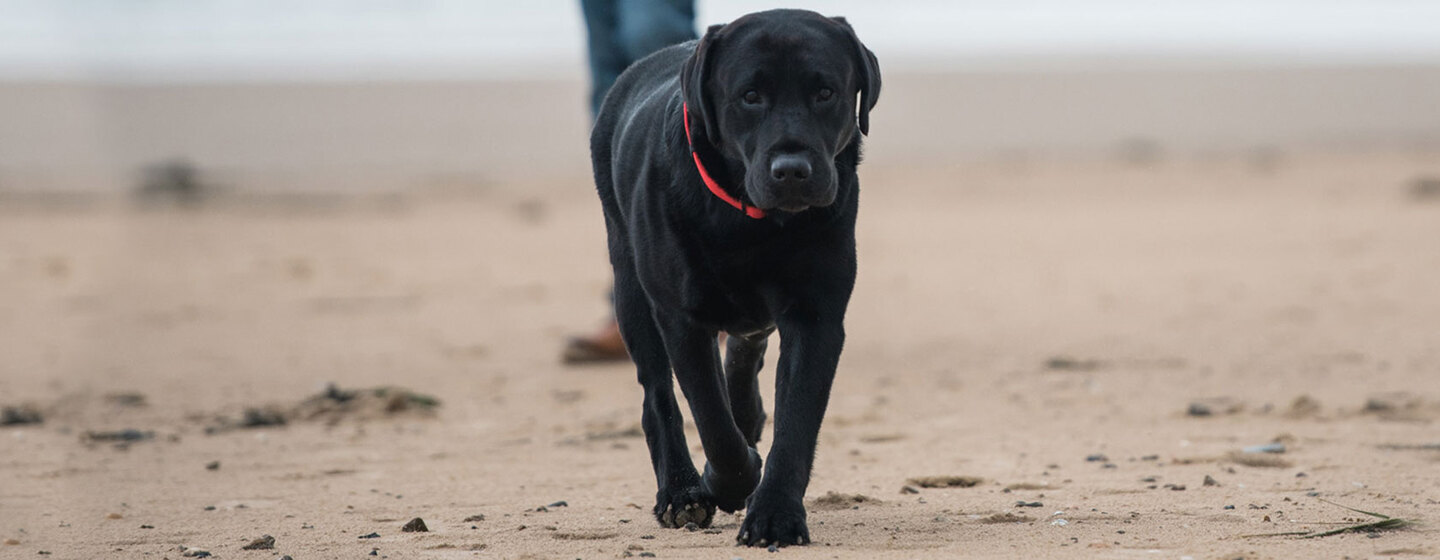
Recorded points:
(752,97)
(824,94)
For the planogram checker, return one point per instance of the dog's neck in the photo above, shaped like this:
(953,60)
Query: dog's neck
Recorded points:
(710,182)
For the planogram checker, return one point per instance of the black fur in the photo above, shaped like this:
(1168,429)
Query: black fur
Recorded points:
(688,265)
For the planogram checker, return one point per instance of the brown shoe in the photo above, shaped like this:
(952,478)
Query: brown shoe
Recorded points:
(603,346)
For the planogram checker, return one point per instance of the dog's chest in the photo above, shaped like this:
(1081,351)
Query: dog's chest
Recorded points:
(740,293)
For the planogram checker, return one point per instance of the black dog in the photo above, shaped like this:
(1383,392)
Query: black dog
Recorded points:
(726,167)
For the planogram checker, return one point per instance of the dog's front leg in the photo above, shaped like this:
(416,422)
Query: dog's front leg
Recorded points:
(809,352)
(679,499)
(732,468)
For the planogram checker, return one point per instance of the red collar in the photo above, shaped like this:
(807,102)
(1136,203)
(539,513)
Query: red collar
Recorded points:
(710,183)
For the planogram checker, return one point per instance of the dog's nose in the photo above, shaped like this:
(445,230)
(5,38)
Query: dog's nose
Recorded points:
(790,168)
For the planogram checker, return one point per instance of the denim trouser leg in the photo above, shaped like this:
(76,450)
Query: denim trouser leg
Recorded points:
(623,31)
(647,26)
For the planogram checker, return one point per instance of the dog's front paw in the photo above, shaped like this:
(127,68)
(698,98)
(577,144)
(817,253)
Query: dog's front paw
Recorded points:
(779,522)
(729,490)
(684,505)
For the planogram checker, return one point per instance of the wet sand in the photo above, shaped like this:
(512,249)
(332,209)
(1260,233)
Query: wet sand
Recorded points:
(1046,325)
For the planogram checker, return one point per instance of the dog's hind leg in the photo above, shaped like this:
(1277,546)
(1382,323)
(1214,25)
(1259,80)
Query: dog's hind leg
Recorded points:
(680,499)
(744,356)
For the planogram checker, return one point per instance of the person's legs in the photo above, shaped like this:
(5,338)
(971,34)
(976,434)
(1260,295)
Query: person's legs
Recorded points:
(607,56)
(621,32)
(607,59)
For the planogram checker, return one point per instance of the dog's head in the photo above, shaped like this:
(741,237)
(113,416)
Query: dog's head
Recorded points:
(777,92)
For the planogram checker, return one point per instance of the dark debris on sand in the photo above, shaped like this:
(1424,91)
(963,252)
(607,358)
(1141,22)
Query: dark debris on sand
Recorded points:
(946,481)
(1067,363)
(20,415)
(126,400)
(1425,188)
(265,542)
(1006,517)
(119,436)
(1214,406)
(835,500)
(335,405)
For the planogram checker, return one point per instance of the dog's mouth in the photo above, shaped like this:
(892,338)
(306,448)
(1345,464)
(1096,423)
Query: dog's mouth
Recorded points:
(794,208)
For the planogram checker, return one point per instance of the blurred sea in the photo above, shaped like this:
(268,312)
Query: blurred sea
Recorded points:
(260,40)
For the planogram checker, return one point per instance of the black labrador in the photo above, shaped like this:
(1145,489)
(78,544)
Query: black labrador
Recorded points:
(726,167)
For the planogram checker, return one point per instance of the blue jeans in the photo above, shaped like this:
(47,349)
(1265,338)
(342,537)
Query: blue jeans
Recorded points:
(624,31)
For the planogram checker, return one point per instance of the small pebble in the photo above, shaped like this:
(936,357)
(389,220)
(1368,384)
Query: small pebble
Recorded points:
(1229,507)
(1210,481)
(1028,504)
(286,557)
(1097,458)
(909,490)
(1267,448)
(647,554)
(370,536)
(416,525)
(474,518)
(773,547)
(212,466)
(11,542)
(114,516)
(209,508)
(561,503)
(374,552)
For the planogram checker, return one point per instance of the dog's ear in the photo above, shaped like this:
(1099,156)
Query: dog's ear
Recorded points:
(869,70)
(692,85)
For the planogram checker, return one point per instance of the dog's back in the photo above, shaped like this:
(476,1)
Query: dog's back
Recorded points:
(634,111)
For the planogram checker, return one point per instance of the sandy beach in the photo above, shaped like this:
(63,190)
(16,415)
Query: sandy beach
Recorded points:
(1092,332)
